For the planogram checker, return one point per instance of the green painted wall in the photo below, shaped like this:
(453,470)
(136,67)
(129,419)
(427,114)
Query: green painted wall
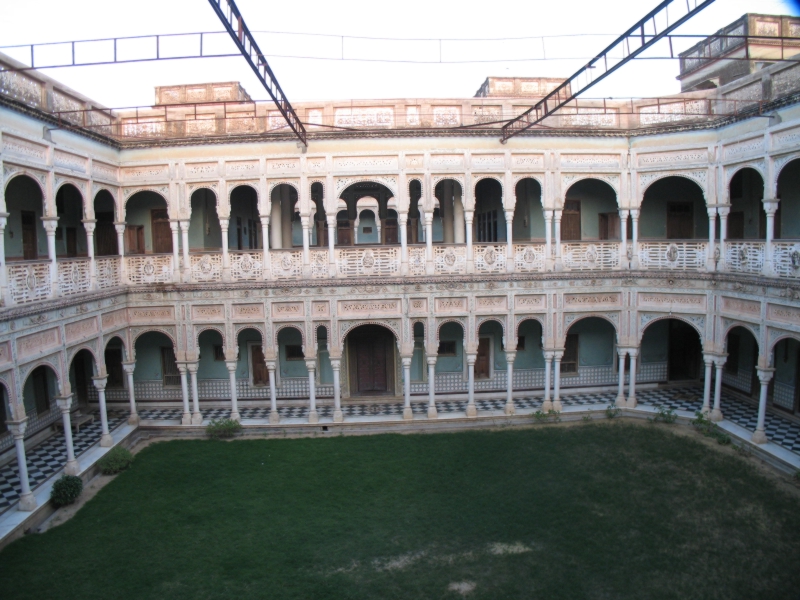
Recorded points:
(785,361)
(22,193)
(596,197)
(528,223)
(748,348)
(367,221)
(746,193)
(290,368)
(789,194)
(655,343)
(418,364)
(596,342)
(148,356)
(28,398)
(244,208)
(451,364)
(137,212)
(532,356)
(69,204)
(205,232)
(653,215)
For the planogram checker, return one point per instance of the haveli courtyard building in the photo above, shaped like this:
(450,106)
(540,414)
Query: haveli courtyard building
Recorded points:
(167,265)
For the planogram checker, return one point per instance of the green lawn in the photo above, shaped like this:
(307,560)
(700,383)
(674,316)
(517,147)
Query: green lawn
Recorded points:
(590,511)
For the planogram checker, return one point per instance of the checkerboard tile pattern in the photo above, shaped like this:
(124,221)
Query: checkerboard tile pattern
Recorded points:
(49,458)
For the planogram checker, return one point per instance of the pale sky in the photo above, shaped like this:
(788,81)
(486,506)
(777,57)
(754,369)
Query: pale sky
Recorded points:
(421,24)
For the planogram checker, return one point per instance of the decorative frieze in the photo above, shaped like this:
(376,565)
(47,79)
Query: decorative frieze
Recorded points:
(80,330)
(202,169)
(208,312)
(450,305)
(527,161)
(744,148)
(242,168)
(145,172)
(5,353)
(667,301)
(113,319)
(491,303)
(321,309)
(784,314)
(366,163)
(150,314)
(368,307)
(488,161)
(656,159)
(590,160)
(24,148)
(283,165)
(287,310)
(38,342)
(737,305)
(247,311)
(578,300)
(529,302)
(447,161)
(103,171)
(418,305)
(69,161)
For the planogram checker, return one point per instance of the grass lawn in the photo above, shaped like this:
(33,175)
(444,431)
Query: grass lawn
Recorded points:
(589,511)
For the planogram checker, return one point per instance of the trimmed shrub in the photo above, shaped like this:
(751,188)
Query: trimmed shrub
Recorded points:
(220,429)
(66,490)
(115,460)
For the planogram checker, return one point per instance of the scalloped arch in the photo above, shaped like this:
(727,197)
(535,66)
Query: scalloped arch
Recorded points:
(298,327)
(74,183)
(661,176)
(29,174)
(203,328)
(157,330)
(41,363)
(784,336)
(444,322)
(254,327)
(522,318)
(783,162)
(730,174)
(537,178)
(135,191)
(120,338)
(356,324)
(677,318)
(276,183)
(743,325)
(593,177)
(73,352)
(585,316)
(488,319)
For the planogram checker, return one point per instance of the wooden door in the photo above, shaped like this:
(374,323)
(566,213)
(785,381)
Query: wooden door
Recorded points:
(30,246)
(680,221)
(260,372)
(390,231)
(344,233)
(322,233)
(571,221)
(482,362)
(72,241)
(162,234)
(569,362)
(609,226)
(134,239)
(169,367)
(105,235)
(371,361)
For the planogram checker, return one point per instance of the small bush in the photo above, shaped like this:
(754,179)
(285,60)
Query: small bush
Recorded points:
(664,415)
(710,429)
(550,415)
(66,490)
(586,418)
(220,429)
(612,411)
(797,476)
(115,461)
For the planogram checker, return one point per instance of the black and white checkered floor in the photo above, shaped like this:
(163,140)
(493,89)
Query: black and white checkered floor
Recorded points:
(49,457)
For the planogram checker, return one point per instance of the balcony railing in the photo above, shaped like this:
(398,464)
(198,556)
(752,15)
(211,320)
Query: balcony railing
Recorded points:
(590,256)
(529,258)
(786,258)
(247,266)
(206,267)
(490,258)
(286,264)
(673,255)
(745,257)
(145,269)
(108,271)
(29,281)
(74,276)
(451,260)
(359,262)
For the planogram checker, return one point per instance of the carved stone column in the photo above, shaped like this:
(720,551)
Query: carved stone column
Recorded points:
(89,225)
(557,356)
(176,263)
(716,412)
(770,207)
(123,274)
(106,441)
(305,223)
(64,403)
(197,416)
(231,365)
(338,415)
(624,261)
(274,416)
(331,219)
(129,367)
(5,297)
(267,265)
(634,352)
(402,220)
(764,376)
(408,414)
(446,211)
(635,238)
(468,215)
(708,359)
(547,404)
(559,265)
(27,501)
(458,216)
(472,410)
(226,260)
(432,413)
(429,266)
(187,415)
(723,212)
(510,409)
(313,415)
(50,225)
(509,241)
(548,241)
(187,264)
(711,263)
(276,232)
(621,354)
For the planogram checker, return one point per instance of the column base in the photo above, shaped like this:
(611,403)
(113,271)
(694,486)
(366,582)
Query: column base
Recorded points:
(716,415)
(186,419)
(408,414)
(759,437)
(72,467)
(547,405)
(235,416)
(510,409)
(313,417)
(472,410)
(106,441)
(620,402)
(705,411)
(27,502)
(432,412)
(631,403)
(133,419)
(274,417)
(557,406)
(338,416)
(197,419)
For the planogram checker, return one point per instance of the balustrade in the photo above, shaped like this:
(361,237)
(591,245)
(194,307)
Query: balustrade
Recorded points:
(29,281)
(74,276)
(672,255)
(108,271)
(489,258)
(529,258)
(246,266)
(149,268)
(590,256)
(450,260)
(287,264)
(416,260)
(786,258)
(745,257)
(359,262)
(319,264)
(206,267)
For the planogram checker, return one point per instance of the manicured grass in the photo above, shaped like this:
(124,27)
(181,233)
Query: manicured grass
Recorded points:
(589,511)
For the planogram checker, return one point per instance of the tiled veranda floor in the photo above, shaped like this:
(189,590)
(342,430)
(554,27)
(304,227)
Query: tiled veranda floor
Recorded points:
(48,458)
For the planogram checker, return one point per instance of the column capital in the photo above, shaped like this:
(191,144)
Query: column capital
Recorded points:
(431,360)
(231,365)
(17,428)
(765,374)
(182,368)
(129,366)
(770,206)
(634,213)
(471,359)
(311,364)
(50,224)
(184,224)
(100,381)
(558,355)
(622,352)
(174,225)
(120,226)
(402,219)
(64,402)
(264,220)
(336,364)
(548,354)
(510,356)
(192,367)
(406,360)
(331,220)
(624,212)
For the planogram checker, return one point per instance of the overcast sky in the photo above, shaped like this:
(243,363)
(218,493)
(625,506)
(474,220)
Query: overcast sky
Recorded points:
(590,25)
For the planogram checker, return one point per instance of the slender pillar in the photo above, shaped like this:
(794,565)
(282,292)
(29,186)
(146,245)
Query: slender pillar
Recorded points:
(123,275)
(197,416)
(623,237)
(510,409)
(557,220)
(408,414)
(265,246)
(429,242)
(472,410)
(276,237)
(176,261)
(231,364)
(331,243)
(459,236)
(547,404)
(305,223)
(446,210)
(548,239)
(770,207)
(621,354)
(5,297)
(50,225)
(313,415)
(711,263)
(226,259)
(72,467)
(338,415)
(187,415)
(402,221)
(89,225)
(632,379)
(187,265)
(723,212)
(764,376)
(285,222)
(468,231)
(557,356)
(129,367)
(274,416)
(432,413)
(635,238)
(709,362)
(106,441)
(509,241)
(716,413)
(27,501)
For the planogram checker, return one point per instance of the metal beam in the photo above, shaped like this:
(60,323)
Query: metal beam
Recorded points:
(236,27)
(642,35)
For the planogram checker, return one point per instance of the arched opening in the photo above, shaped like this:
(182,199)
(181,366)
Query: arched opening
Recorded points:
(147,228)
(589,353)
(319,233)
(291,359)
(282,209)
(739,372)
(489,224)
(5,410)
(365,215)
(590,212)
(529,364)
(450,354)
(324,368)
(105,234)
(367,227)
(25,238)
(787,218)
(114,355)
(673,208)
(449,221)
(245,224)
(784,386)
(418,370)
(670,350)
(371,360)
(252,365)
(81,371)
(155,364)
(205,232)
(39,393)
(211,362)
(414,226)
(747,219)
(528,224)
(71,239)
(491,350)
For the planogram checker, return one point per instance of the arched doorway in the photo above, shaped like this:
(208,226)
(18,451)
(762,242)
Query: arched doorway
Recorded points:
(450,212)
(71,239)
(371,361)
(670,350)
(785,385)
(589,353)
(529,363)
(205,232)
(787,218)
(156,369)
(38,396)
(590,212)
(105,233)
(251,352)
(147,228)
(370,200)
(528,224)
(81,371)
(739,372)
(25,238)
(673,208)
(490,220)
